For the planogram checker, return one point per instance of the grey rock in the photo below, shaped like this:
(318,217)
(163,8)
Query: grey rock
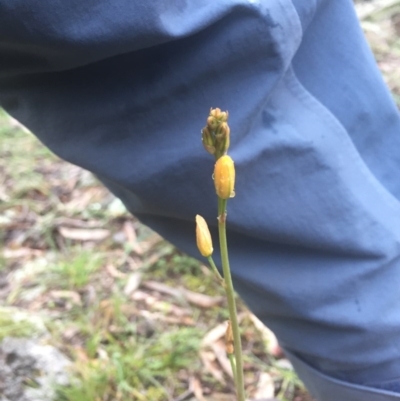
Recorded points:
(26,361)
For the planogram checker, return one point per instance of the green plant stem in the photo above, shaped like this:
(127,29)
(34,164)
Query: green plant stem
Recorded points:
(214,269)
(233,366)
(230,294)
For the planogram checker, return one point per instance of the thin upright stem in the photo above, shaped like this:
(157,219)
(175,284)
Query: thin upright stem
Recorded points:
(233,366)
(230,294)
(214,269)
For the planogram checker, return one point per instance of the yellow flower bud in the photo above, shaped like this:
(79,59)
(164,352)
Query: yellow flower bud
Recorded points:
(224,177)
(203,237)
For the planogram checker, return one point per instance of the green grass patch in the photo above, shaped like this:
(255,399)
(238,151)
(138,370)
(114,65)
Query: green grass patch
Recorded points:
(136,369)
(75,270)
(13,325)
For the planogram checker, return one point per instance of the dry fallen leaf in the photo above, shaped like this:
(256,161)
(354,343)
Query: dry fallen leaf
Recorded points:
(223,397)
(80,234)
(82,197)
(77,223)
(201,300)
(220,352)
(195,386)
(114,272)
(21,253)
(72,295)
(265,387)
(143,296)
(214,335)
(209,361)
(130,234)
(172,309)
(133,283)
(134,263)
(164,289)
(215,340)
(194,298)
(184,320)
(268,336)
(184,396)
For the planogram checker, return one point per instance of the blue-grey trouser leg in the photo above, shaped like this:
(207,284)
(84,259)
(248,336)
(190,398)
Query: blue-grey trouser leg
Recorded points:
(122,89)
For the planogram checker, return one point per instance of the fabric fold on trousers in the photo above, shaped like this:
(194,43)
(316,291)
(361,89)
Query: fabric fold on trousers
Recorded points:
(328,388)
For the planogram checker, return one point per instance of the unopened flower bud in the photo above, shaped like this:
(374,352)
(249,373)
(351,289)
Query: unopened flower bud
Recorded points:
(222,138)
(215,135)
(215,112)
(224,177)
(224,116)
(221,116)
(208,140)
(222,130)
(203,237)
(212,123)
